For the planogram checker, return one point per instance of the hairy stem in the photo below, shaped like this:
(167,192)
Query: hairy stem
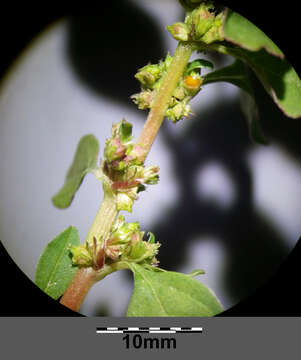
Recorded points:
(163,96)
(105,218)
(82,281)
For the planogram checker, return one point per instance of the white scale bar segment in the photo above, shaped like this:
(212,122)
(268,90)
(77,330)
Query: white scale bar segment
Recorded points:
(162,331)
(109,332)
(151,330)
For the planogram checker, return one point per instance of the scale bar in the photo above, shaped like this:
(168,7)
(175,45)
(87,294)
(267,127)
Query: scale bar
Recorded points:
(149,330)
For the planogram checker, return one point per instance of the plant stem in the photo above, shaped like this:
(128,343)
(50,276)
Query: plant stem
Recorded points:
(163,96)
(83,280)
(81,283)
(105,218)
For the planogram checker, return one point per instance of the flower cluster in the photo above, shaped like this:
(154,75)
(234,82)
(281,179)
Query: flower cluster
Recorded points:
(123,167)
(150,78)
(125,243)
(201,25)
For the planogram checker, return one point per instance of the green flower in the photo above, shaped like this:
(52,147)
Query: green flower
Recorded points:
(122,231)
(150,175)
(124,202)
(81,256)
(182,109)
(149,74)
(125,243)
(123,172)
(142,251)
(143,99)
(179,31)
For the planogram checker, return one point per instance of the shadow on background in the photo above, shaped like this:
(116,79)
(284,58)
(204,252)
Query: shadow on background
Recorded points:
(106,61)
(106,49)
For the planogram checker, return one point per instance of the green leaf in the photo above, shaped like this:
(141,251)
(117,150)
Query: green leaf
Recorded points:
(240,31)
(167,293)
(85,160)
(125,131)
(237,74)
(251,112)
(279,79)
(197,272)
(55,270)
(276,74)
(198,64)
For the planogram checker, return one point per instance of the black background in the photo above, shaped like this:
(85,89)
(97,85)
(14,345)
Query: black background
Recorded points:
(280,296)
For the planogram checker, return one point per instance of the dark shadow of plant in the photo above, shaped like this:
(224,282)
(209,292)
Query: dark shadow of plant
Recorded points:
(106,48)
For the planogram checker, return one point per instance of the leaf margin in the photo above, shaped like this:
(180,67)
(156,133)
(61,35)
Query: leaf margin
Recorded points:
(42,264)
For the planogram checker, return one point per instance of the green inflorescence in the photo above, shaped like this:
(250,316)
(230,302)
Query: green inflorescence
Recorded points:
(124,243)
(150,78)
(124,175)
(123,167)
(203,23)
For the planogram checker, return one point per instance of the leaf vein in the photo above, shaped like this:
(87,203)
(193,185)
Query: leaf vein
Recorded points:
(153,291)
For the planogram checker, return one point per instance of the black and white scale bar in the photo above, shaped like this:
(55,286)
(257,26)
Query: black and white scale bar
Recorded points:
(148,330)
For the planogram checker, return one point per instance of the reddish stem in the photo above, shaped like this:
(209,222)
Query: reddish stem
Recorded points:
(82,281)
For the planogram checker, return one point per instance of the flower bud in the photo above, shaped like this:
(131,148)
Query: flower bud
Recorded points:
(116,146)
(148,75)
(118,165)
(124,202)
(179,31)
(114,149)
(137,251)
(125,199)
(177,112)
(114,251)
(215,33)
(202,20)
(124,233)
(123,131)
(135,155)
(150,175)
(179,93)
(142,251)
(143,99)
(81,256)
